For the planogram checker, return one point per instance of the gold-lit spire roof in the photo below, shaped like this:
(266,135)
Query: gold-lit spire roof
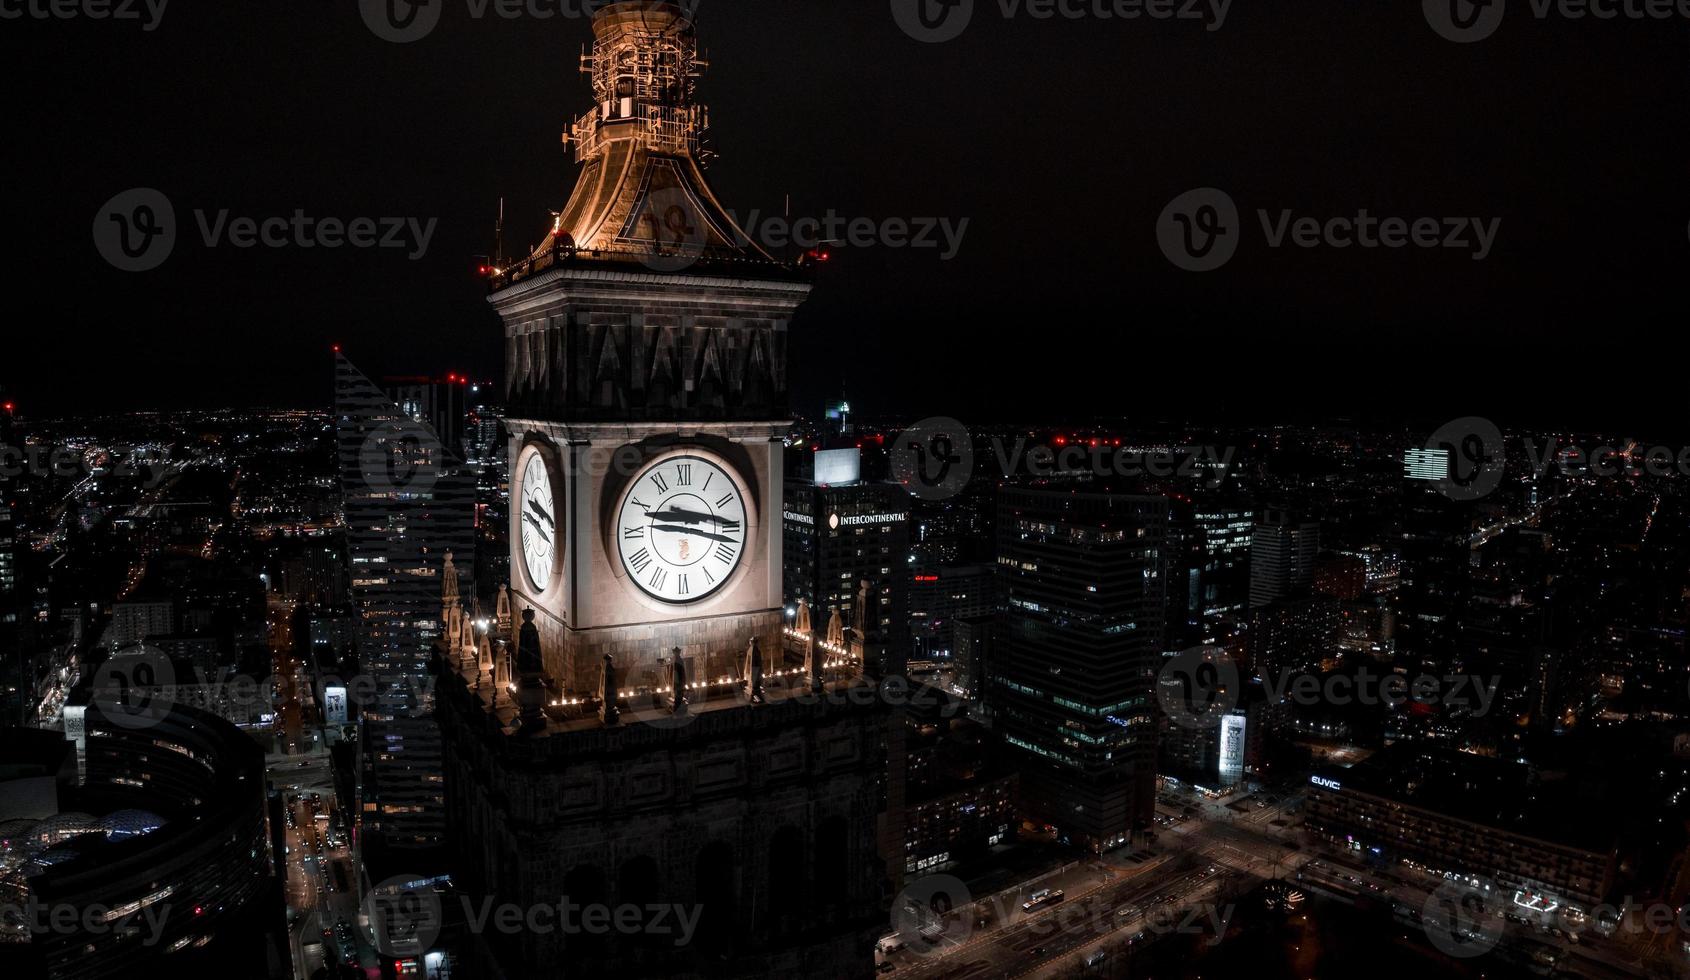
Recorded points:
(642,195)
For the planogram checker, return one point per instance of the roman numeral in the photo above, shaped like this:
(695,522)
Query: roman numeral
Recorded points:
(658,575)
(683,475)
(683,584)
(633,533)
(726,500)
(662,484)
(640,504)
(639,560)
(725,552)
(731,527)
(707,478)
(711,579)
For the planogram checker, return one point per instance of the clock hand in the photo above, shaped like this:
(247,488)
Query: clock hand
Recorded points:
(529,517)
(541,511)
(695,532)
(685,516)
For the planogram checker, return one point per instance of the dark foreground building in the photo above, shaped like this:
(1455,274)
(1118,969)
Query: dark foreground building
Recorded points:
(156,865)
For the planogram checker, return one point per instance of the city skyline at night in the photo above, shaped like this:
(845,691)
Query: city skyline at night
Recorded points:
(928,490)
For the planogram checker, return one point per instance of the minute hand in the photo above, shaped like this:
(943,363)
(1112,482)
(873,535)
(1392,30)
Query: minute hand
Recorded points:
(684,516)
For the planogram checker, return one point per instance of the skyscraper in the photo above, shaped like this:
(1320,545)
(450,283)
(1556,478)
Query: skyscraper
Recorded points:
(1073,666)
(1282,553)
(658,735)
(408,502)
(845,542)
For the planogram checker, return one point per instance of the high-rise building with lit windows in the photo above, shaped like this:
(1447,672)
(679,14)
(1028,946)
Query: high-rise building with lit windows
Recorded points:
(1081,590)
(408,501)
(1283,549)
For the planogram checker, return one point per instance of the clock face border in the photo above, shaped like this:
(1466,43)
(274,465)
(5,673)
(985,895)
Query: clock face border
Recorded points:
(531,452)
(613,544)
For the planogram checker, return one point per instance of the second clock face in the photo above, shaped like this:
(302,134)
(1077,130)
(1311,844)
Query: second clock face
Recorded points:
(539,521)
(681,529)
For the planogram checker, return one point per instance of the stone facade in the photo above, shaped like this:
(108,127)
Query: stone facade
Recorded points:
(759,816)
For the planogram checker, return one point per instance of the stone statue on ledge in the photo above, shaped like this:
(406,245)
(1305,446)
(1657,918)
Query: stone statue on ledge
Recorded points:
(677,684)
(754,672)
(608,712)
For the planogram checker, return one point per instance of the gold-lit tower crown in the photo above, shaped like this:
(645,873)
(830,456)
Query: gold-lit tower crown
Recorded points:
(642,195)
(645,69)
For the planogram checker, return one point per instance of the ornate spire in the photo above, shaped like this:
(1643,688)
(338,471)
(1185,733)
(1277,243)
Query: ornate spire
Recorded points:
(803,622)
(642,192)
(502,612)
(836,630)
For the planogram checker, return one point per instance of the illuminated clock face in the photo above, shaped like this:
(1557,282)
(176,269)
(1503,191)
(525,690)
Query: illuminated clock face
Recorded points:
(681,528)
(539,522)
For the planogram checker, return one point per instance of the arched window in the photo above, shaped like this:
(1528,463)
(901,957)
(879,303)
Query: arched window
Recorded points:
(717,893)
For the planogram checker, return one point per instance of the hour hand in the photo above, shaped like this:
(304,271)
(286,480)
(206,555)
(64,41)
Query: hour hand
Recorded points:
(529,517)
(695,532)
(684,516)
(537,509)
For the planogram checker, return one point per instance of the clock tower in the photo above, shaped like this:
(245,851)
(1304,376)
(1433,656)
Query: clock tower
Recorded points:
(646,385)
(644,733)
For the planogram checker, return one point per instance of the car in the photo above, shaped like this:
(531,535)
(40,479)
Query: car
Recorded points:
(886,966)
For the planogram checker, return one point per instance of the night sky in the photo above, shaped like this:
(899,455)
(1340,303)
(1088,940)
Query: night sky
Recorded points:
(1061,141)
